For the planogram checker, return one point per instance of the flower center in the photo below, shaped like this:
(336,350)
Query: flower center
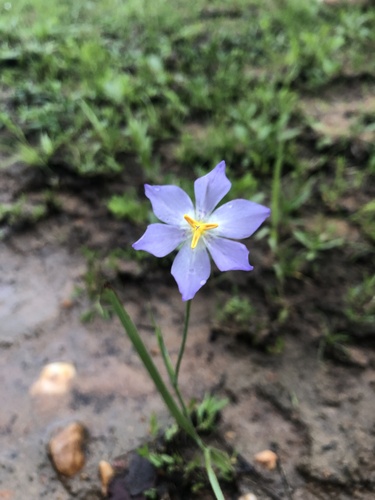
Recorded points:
(199,228)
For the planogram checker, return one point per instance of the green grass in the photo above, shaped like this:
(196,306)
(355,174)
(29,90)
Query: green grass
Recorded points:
(92,82)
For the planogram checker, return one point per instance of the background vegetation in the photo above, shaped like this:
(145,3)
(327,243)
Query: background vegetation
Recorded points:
(133,91)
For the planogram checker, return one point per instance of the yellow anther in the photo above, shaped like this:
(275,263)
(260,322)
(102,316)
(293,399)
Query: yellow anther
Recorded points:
(199,228)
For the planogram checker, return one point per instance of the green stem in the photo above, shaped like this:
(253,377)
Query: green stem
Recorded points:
(138,344)
(211,475)
(170,369)
(183,343)
(275,196)
(180,399)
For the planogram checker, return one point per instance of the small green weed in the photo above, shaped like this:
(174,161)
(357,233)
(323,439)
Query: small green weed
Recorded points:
(207,412)
(12,213)
(237,311)
(152,493)
(360,301)
(316,243)
(176,461)
(93,283)
(161,460)
(24,210)
(333,191)
(154,425)
(332,343)
(365,218)
(128,206)
(277,347)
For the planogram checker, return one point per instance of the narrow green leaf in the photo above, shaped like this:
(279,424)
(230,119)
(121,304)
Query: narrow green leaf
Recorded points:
(212,476)
(165,354)
(139,346)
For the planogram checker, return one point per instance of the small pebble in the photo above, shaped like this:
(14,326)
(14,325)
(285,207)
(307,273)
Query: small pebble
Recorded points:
(67,304)
(247,496)
(267,459)
(54,379)
(106,473)
(230,435)
(6,494)
(66,449)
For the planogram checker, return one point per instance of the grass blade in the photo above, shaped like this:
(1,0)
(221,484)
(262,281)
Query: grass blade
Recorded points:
(137,342)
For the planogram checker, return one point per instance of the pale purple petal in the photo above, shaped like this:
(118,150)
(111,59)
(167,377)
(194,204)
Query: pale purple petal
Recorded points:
(210,189)
(238,219)
(229,255)
(160,239)
(169,203)
(191,269)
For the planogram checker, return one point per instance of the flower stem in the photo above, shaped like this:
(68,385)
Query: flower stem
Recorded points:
(181,401)
(276,187)
(170,369)
(184,337)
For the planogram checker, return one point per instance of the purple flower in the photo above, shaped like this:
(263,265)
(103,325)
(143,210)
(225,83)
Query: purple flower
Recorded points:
(200,229)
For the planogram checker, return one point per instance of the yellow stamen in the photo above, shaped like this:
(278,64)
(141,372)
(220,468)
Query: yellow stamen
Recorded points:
(199,229)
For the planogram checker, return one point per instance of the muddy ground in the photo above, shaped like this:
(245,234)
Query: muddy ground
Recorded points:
(313,401)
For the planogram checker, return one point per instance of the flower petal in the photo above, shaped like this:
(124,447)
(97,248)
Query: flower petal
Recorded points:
(160,239)
(209,190)
(169,203)
(229,255)
(238,219)
(191,269)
